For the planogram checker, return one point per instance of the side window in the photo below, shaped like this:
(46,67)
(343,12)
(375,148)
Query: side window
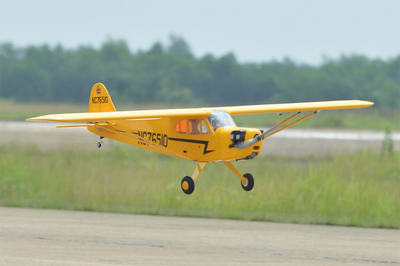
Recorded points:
(181,127)
(194,126)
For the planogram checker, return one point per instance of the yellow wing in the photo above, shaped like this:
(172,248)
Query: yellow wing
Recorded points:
(293,107)
(203,112)
(119,115)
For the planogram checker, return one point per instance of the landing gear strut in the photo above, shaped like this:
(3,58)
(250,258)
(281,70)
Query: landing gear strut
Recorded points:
(246,180)
(187,183)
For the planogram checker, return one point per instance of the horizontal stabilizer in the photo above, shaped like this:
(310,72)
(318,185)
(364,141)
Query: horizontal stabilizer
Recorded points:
(80,125)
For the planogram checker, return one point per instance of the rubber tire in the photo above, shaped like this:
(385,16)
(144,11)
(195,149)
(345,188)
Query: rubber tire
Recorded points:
(191,185)
(250,182)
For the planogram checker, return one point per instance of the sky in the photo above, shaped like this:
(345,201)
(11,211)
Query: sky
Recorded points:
(306,31)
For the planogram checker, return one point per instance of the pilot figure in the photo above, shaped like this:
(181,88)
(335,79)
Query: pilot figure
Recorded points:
(215,124)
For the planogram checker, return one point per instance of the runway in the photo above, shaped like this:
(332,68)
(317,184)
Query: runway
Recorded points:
(50,237)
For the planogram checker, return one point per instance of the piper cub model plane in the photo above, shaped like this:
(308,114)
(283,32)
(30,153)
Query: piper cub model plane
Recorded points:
(202,135)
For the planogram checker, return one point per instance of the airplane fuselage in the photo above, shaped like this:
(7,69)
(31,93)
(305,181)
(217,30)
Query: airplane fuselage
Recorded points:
(188,138)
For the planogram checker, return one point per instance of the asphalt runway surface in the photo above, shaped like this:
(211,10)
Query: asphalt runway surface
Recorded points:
(52,237)
(292,142)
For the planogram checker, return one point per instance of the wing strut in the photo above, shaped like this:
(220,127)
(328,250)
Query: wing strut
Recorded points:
(275,129)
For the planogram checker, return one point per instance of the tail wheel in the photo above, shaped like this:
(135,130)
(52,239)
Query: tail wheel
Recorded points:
(250,182)
(187,185)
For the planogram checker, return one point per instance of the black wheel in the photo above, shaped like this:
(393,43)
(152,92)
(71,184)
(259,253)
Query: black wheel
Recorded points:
(250,182)
(187,185)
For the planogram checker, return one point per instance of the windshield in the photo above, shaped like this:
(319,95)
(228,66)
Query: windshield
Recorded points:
(219,118)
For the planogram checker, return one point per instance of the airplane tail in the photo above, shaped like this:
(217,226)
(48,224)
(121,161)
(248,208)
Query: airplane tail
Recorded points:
(100,99)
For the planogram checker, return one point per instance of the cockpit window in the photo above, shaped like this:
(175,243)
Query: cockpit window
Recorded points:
(191,126)
(219,118)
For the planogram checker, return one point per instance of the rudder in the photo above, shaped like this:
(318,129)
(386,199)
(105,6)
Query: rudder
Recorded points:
(100,99)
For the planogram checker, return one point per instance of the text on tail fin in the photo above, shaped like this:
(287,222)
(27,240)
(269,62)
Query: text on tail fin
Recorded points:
(100,99)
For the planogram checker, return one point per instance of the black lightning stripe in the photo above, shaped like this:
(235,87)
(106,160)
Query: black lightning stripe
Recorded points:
(205,151)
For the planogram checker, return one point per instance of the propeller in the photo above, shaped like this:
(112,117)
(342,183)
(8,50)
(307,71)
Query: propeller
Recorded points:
(243,145)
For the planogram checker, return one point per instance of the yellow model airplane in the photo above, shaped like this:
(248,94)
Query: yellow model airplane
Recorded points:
(199,134)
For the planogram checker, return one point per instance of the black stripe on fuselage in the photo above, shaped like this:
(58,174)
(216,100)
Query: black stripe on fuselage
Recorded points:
(205,151)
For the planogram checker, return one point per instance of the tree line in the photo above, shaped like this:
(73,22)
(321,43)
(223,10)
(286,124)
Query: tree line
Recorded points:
(172,74)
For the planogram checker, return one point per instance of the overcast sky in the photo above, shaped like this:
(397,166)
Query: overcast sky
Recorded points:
(253,30)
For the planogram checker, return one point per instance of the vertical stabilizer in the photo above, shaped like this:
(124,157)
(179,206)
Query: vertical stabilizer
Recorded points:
(100,99)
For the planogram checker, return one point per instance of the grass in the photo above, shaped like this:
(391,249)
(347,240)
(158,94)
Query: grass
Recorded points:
(361,189)
(349,119)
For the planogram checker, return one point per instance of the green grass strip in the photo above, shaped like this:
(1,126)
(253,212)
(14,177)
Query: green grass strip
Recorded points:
(361,189)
